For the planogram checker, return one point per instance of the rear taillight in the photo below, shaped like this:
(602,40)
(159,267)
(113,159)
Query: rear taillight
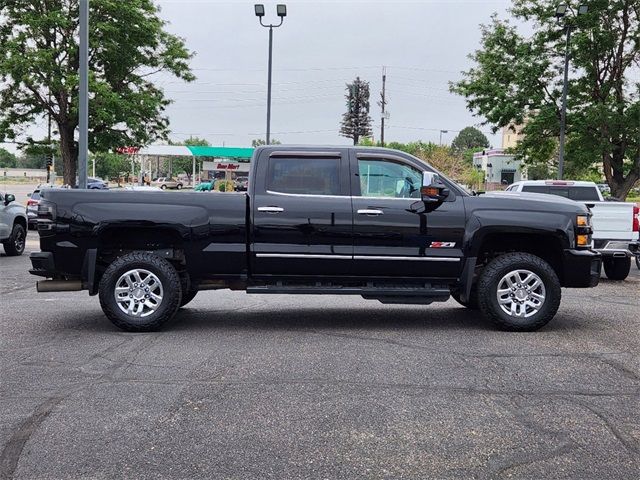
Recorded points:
(46,216)
(31,203)
(636,218)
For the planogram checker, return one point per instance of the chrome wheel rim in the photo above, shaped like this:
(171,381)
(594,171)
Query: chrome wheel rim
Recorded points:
(19,241)
(521,293)
(138,293)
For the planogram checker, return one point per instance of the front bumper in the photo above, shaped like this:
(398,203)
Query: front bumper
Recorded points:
(581,268)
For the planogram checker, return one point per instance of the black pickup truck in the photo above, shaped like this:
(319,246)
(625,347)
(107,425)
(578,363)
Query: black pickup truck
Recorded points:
(372,222)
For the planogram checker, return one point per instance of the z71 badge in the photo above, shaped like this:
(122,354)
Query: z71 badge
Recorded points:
(442,244)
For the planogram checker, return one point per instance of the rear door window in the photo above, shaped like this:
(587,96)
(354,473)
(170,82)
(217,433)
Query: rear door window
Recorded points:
(306,176)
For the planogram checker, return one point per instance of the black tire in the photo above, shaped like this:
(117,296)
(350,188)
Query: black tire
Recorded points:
(187,297)
(15,244)
(638,261)
(179,186)
(170,285)
(163,187)
(472,303)
(499,268)
(617,268)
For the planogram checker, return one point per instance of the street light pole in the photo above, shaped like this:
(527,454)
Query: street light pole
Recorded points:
(441,132)
(269,85)
(83,103)
(282,12)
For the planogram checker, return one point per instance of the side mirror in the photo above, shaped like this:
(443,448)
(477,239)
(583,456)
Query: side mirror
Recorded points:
(433,191)
(29,195)
(8,198)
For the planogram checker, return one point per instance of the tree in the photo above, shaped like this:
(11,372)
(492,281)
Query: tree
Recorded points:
(39,63)
(518,80)
(7,159)
(257,142)
(112,165)
(356,121)
(469,138)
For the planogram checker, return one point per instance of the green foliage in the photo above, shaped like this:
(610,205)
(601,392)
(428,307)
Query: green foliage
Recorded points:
(517,79)
(39,72)
(258,142)
(111,165)
(196,142)
(469,138)
(7,159)
(356,122)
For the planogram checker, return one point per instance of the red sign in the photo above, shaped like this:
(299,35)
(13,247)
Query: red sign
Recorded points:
(228,166)
(128,150)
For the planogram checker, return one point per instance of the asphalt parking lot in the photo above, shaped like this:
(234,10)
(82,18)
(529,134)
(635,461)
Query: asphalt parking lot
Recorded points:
(316,387)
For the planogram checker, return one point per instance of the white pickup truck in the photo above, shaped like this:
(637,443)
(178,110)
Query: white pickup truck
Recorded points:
(615,224)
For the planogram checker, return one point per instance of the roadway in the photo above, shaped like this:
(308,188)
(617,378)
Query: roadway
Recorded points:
(282,387)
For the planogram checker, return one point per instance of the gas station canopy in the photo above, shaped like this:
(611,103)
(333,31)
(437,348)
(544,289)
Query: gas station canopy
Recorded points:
(239,153)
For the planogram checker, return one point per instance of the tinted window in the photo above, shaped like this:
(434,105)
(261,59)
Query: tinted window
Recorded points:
(387,178)
(313,176)
(581,194)
(584,194)
(535,188)
(35,196)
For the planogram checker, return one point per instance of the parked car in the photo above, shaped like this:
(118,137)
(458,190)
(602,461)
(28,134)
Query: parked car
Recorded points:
(13,225)
(615,224)
(97,184)
(32,208)
(166,182)
(241,184)
(373,222)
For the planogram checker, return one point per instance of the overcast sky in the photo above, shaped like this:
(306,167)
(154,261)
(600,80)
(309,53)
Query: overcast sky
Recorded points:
(321,46)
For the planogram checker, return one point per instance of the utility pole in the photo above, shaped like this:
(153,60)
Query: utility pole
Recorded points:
(83,113)
(383,105)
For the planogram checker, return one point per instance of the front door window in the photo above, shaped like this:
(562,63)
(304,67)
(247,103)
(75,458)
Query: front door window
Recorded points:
(382,178)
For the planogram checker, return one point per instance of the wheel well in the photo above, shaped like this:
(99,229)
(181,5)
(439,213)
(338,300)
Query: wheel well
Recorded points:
(116,242)
(21,221)
(547,247)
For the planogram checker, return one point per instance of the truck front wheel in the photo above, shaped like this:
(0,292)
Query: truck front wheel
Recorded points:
(139,292)
(519,292)
(617,268)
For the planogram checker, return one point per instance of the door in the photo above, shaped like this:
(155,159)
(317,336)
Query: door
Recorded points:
(302,222)
(393,236)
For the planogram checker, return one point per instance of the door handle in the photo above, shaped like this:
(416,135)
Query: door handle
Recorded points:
(271,209)
(370,212)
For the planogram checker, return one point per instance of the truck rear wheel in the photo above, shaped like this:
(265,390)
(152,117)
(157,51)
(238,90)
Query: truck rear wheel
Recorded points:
(617,268)
(139,292)
(519,292)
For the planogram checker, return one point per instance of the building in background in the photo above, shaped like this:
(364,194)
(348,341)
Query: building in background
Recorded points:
(511,135)
(500,169)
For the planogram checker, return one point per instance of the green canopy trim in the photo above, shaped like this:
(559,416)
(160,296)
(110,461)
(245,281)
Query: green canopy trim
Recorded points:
(222,152)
